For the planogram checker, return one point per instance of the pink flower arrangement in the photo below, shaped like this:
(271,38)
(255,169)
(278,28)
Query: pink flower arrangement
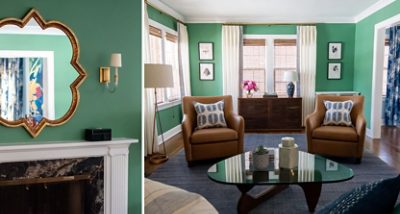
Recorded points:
(250,86)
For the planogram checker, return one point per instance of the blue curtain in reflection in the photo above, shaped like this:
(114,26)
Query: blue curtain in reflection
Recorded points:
(36,88)
(392,101)
(11,88)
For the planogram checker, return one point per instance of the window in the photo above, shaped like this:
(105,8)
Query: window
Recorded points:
(285,59)
(385,67)
(254,62)
(164,50)
(266,58)
(171,57)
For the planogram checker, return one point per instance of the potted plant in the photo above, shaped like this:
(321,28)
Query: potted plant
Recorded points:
(260,158)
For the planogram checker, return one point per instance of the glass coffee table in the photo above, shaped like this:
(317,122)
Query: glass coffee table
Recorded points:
(311,173)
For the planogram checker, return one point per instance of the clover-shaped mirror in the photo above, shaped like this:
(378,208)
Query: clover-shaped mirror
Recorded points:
(39,73)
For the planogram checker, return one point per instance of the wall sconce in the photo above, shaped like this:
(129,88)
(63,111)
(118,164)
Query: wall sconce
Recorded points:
(115,62)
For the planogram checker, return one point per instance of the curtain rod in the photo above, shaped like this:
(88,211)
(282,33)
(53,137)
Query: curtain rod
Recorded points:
(163,12)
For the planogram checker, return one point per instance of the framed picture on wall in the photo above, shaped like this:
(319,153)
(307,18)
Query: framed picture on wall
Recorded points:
(334,70)
(206,71)
(206,51)
(334,50)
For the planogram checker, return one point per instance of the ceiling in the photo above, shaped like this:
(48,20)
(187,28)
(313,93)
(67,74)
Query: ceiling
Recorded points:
(272,11)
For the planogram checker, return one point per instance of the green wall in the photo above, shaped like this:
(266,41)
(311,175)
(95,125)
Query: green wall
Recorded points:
(161,18)
(102,28)
(171,117)
(205,33)
(325,33)
(364,50)
(335,33)
(270,29)
(64,73)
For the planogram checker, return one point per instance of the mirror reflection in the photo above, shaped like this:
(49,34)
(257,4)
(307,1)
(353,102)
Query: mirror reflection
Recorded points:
(35,73)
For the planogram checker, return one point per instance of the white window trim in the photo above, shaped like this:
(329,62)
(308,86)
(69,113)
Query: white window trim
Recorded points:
(269,56)
(164,29)
(169,104)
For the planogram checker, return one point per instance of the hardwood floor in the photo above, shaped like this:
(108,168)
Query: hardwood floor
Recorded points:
(173,146)
(387,148)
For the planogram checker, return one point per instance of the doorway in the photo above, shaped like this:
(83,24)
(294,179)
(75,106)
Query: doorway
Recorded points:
(377,77)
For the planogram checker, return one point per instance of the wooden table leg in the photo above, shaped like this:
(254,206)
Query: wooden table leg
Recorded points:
(247,202)
(312,191)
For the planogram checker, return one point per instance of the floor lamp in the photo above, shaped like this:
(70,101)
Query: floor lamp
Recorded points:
(158,76)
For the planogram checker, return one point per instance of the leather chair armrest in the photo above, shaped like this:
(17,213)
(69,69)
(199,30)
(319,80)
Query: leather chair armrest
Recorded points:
(313,121)
(236,122)
(360,127)
(360,124)
(187,130)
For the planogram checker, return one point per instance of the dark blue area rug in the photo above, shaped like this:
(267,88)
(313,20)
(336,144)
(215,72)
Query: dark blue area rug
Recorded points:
(292,200)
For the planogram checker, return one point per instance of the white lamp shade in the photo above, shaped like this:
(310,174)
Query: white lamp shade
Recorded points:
(116,60)
(158,76)
(290,76)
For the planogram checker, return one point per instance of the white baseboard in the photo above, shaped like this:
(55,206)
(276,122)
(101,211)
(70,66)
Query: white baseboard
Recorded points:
(170,133)
(369,133)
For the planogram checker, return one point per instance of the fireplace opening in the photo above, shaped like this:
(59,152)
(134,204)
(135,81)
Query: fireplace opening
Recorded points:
(63,195)
(65,186)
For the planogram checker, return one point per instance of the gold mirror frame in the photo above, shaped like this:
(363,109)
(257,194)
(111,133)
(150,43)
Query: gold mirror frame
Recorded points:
(34,131)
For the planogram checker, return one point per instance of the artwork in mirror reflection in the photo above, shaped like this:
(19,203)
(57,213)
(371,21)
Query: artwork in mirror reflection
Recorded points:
(21,86)
(35,73)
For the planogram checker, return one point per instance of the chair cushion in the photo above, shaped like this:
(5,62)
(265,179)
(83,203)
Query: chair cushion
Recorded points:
(210,115)
(338,113)
(376,197)
(163,198)
(338,133)
(213,135)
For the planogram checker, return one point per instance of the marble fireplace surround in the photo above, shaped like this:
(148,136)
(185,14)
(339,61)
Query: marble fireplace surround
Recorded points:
(115,153)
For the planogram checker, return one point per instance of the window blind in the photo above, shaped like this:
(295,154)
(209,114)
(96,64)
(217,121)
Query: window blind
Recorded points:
(254,42)
(155,31)
(284,42)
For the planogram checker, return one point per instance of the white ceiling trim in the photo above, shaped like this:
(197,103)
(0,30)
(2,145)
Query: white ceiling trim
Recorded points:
(372,9)
(364,14)
(278,20)
(165,8)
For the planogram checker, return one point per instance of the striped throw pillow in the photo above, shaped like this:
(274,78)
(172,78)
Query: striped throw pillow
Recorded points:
(338,113)
(210,115)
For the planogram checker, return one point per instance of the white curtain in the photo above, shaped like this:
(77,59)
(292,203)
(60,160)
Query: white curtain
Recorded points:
(307,47)
(184,59)
(231,47)
(148,95)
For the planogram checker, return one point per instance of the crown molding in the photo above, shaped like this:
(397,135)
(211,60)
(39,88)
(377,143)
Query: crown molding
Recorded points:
(167,9)
(266,21)
(372,9)
(276,20)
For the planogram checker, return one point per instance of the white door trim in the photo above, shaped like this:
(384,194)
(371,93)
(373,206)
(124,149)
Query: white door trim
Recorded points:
(376,93)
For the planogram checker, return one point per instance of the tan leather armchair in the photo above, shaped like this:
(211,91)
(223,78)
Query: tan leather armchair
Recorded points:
(213,142)
(340,141)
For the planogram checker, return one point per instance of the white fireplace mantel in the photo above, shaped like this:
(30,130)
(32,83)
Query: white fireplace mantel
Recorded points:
(115,153)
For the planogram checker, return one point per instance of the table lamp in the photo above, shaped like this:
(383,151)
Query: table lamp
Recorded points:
(290,77)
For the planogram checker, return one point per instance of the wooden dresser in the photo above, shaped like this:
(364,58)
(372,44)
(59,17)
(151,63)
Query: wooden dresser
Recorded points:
(267,114)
